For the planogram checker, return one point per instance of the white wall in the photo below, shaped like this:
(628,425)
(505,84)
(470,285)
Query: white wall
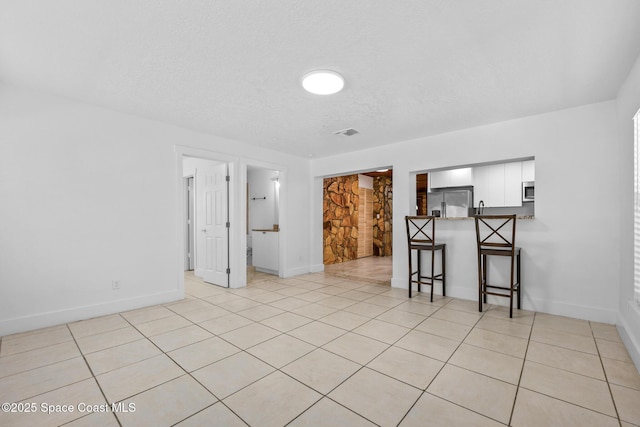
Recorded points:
(262,212)
(571,250)
(89,195)
(628,103)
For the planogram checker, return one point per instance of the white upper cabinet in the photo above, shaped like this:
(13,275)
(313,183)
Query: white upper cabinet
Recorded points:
(498,185)
(529,170)
(451,178)
(513,184)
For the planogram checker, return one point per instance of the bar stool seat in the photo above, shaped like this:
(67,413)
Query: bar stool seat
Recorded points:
(421,237)
(495,236)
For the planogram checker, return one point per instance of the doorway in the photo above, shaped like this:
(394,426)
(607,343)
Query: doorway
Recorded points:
(210,228)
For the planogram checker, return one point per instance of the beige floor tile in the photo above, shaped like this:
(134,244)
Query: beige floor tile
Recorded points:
(444,328)
(457,316)
(383,301)
(92,343)
(47,331)
(116,357)
(565,324)
(95,419)
(137,377)
(272,401)
(605,331)
(382,331)
(317,333)
(425,298)
(187,305)
(501,343)
(286,321)
(573,388)
(180,337)
(613,350)
(290,304)
(148,314)
(357,295)
(240,304)
(463,305)
(314,311)
(502,312)
(226,323)
(204,314)
(32,340)
(250,335)
(280,350)
(627,403)
(167,403)
(441,413)
(231,374)
(292,292)
(504,326)
(363,392)
(312,296)
(585,344)
(37,358)
(160,326)
(222,299)
(428,345)
(373,289)
(97,325)
(534,410)
(490,363)
(401,318)
(356,347)
(622,373)
(78,396)
(321,370)
(417,308)
(27,384)
(260,312)
(366,309)
(216,415)
(345,320)
(406,366)
(479,393)
(569,360)
(267,297)
(202,353)
(337,302)
(327,413)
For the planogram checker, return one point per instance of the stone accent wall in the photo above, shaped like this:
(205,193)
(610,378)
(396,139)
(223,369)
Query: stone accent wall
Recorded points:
(382,206)
(340,218)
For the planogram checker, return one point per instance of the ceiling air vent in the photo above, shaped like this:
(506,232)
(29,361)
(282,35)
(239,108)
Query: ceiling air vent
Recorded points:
(347,132)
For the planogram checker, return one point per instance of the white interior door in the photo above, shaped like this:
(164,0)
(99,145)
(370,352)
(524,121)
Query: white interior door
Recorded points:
(211,220)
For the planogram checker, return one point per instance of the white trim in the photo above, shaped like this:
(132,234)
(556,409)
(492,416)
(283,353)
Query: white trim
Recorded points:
(631,335)
(59,317)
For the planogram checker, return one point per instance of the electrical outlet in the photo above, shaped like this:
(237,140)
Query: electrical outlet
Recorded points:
(115,284)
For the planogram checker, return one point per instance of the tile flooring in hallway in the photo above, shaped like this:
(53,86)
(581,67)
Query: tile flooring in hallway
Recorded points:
(318,350)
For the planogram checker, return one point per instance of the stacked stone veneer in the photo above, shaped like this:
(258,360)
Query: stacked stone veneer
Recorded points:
(340,218)
(382,206)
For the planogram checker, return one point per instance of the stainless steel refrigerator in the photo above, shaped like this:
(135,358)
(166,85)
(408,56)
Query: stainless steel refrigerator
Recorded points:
(451,202)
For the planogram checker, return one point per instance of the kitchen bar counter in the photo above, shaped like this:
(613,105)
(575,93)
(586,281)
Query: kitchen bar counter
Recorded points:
(464,218)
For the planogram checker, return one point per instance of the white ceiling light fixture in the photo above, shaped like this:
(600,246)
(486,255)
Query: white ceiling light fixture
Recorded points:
(323,82)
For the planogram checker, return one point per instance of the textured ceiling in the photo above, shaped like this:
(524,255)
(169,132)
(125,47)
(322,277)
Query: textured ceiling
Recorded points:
(232,68)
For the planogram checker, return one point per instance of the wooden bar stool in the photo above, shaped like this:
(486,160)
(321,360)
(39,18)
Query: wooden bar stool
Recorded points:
(421,237)
(495,236)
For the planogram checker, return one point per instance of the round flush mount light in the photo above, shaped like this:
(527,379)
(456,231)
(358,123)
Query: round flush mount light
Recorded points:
(323,82)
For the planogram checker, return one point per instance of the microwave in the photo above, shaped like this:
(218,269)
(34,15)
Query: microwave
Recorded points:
(528,191)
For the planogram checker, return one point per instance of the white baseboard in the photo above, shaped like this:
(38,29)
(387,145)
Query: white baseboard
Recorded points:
(595,314)
(629,328)
(52,318)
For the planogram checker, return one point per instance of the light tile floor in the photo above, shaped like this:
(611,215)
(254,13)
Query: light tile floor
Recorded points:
(319,350)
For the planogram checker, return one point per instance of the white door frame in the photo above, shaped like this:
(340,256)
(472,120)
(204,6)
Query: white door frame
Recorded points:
(237,278)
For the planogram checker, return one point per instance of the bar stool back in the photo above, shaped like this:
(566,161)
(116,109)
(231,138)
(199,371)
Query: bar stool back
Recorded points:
(495,236)
(421,237)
